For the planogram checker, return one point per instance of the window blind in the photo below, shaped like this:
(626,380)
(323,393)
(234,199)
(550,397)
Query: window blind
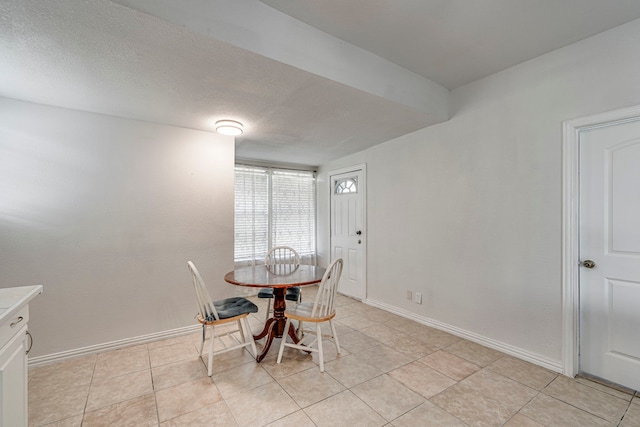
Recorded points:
(273,207)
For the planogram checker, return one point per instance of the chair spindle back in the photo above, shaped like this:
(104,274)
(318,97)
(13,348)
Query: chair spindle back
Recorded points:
(323,305)
(282,259)
(206,309)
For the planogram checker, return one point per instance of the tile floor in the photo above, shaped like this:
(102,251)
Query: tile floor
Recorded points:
(392,372)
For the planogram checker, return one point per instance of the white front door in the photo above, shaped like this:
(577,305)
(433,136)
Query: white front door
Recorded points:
(348,230)
(610,237)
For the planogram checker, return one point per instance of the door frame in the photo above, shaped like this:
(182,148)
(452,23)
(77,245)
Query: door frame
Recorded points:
(571,130)
(359,167)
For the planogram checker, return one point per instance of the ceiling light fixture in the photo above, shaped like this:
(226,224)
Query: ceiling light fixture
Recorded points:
(229,127)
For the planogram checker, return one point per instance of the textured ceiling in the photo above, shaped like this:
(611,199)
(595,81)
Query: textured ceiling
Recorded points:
(454,42)
(103,57)
(188,64)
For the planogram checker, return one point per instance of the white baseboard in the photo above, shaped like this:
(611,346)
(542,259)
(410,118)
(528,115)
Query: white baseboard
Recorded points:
(113,345)
(552,365)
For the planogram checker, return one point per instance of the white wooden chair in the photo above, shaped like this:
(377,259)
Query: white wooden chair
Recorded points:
(215,313)
(317,312)
(283,260)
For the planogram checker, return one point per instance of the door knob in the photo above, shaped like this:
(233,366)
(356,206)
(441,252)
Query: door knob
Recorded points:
(358,232)
(588,263)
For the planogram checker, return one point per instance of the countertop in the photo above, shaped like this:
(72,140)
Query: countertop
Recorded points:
(12,299)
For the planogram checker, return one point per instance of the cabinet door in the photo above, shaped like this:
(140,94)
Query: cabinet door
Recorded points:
(13,381)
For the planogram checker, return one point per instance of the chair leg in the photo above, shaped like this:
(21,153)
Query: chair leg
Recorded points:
(320,352)
(299,330)
(212,336)
(335,335)
(241,330)
(268,310)
(284,340)
(249,336)
(204,337)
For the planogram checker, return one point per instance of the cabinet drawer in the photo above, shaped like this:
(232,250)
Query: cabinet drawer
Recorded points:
(18,320)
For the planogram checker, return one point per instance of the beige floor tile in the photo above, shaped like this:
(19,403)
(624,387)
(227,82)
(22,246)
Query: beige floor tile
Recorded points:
(120,362)
(388,397)
(427,415)
(632,416)
(341,329)
(173,353)
(115,387)
(329,351)
(310,386)
(189,339)
(75,421)
(382,316)
(137,412)
(362,309)
(613,389)
(356,341)
(474,407)
(244,377)
(261,405)
(509,392)
(524,372)
(422,379)
(519,420)
(297,419)
(400,324)
(343,311)
(587,398)
(356,322)
(474,353)
(55,404)
(411,347)
(383,358)
(166,376)
(344,409)
(72,372)
(433,337)
(118,389)
(230,359)
(449,364)
(350,371)
(293,361)
(419,328)
(342,300)
(187,397)
(214,415)
(551,412)
(384,334)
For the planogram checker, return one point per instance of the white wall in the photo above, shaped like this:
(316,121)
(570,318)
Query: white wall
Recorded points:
(468,212)
(105,212)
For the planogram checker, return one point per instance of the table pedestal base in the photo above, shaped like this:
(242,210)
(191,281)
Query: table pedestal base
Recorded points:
(274,327)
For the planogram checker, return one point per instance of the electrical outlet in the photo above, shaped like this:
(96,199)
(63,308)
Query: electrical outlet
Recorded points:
(417,298)
(409,295)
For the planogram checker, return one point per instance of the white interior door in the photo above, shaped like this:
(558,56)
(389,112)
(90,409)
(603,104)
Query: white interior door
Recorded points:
(348,230)
(610,237)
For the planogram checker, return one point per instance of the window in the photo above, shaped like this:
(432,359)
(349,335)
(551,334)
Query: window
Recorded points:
(274,207)
(347,185)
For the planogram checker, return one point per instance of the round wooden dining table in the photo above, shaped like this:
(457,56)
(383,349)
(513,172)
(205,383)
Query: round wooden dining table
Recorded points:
(278,277)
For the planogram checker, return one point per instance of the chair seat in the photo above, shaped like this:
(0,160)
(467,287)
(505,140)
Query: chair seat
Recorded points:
(293,294)
(232,307)
(303,312)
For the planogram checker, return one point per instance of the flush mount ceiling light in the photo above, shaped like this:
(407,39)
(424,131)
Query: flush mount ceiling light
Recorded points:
(229,127)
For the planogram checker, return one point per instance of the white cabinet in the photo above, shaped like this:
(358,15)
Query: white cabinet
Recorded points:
(14,341)
(13,380)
